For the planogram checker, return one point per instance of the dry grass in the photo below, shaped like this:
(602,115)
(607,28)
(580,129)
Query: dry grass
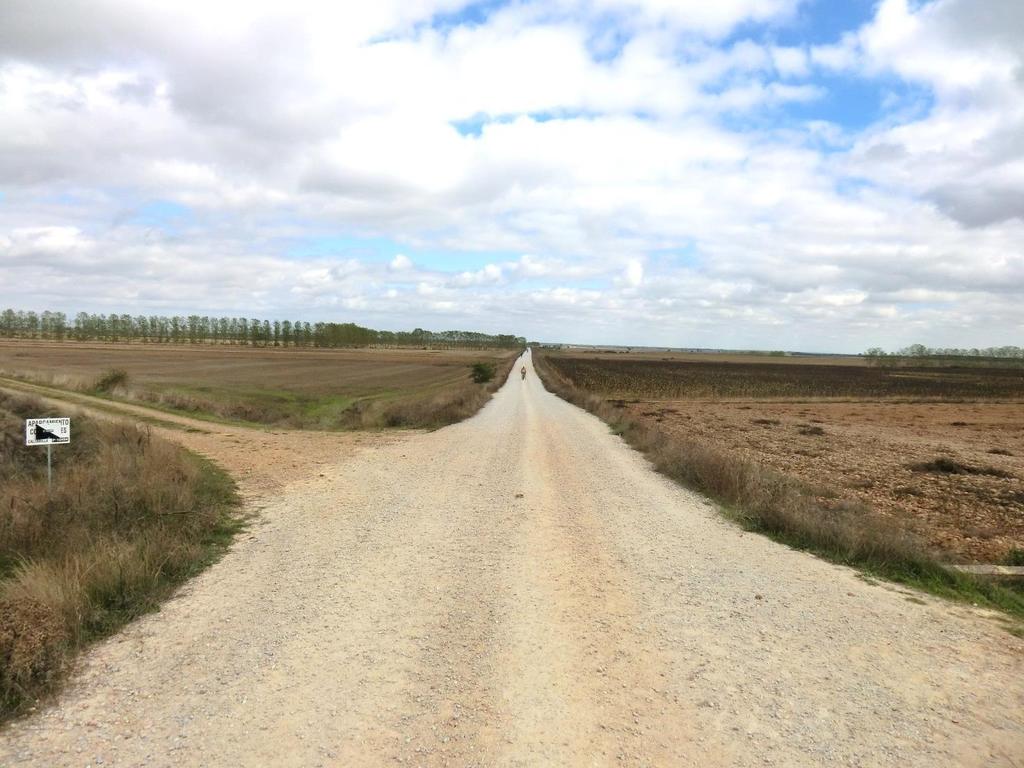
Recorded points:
(298,388)
(130,517)
(874,451)
(785,508)
(437,409)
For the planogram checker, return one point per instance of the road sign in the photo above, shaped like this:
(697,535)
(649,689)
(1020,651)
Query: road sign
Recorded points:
(47,431)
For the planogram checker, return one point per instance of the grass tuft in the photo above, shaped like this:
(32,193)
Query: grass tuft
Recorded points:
(111,380)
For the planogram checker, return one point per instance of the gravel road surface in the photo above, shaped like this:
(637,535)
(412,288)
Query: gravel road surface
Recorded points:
(521,589)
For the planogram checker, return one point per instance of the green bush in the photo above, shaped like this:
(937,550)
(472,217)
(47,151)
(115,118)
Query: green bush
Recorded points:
(483,372)
(1015,556)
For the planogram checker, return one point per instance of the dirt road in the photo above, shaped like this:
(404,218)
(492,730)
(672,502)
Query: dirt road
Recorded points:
(522,590)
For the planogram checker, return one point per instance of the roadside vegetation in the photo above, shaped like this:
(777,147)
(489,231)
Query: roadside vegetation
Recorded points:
(437,409)
(129,518)
(298,388)
(816,519)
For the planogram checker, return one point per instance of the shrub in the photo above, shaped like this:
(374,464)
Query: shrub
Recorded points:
(112,379)
(483,372)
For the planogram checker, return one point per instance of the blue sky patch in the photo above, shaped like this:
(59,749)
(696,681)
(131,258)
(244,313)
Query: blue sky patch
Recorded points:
(166,215)
(821,22)
(856,104)
(474,126)
(162,211)
(680,256)
(471,15)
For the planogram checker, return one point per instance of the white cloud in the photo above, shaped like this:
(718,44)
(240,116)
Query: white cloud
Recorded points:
(634,274)
(790,61)
(965,151)
(401,263)
(643,189)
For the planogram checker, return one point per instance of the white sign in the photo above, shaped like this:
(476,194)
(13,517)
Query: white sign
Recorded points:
(47,431)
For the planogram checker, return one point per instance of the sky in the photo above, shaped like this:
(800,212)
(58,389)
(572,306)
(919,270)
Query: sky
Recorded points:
(818,175)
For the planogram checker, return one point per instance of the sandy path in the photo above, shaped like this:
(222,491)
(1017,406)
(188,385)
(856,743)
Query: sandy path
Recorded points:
(520,590)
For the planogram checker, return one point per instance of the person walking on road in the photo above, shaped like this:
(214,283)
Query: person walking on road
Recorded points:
(523,371)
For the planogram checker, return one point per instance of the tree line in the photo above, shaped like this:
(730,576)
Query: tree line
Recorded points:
(919,353)
(203,329)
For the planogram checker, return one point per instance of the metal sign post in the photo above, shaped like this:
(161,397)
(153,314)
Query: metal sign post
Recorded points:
(48,432)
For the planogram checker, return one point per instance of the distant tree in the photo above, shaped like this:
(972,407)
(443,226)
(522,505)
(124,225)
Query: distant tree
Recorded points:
(60,325)
(915,350)
(193,328)
(8,323)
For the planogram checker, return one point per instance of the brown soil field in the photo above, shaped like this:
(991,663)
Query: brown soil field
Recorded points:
(711,357)
(290,387)
(677,378)
(939,451)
